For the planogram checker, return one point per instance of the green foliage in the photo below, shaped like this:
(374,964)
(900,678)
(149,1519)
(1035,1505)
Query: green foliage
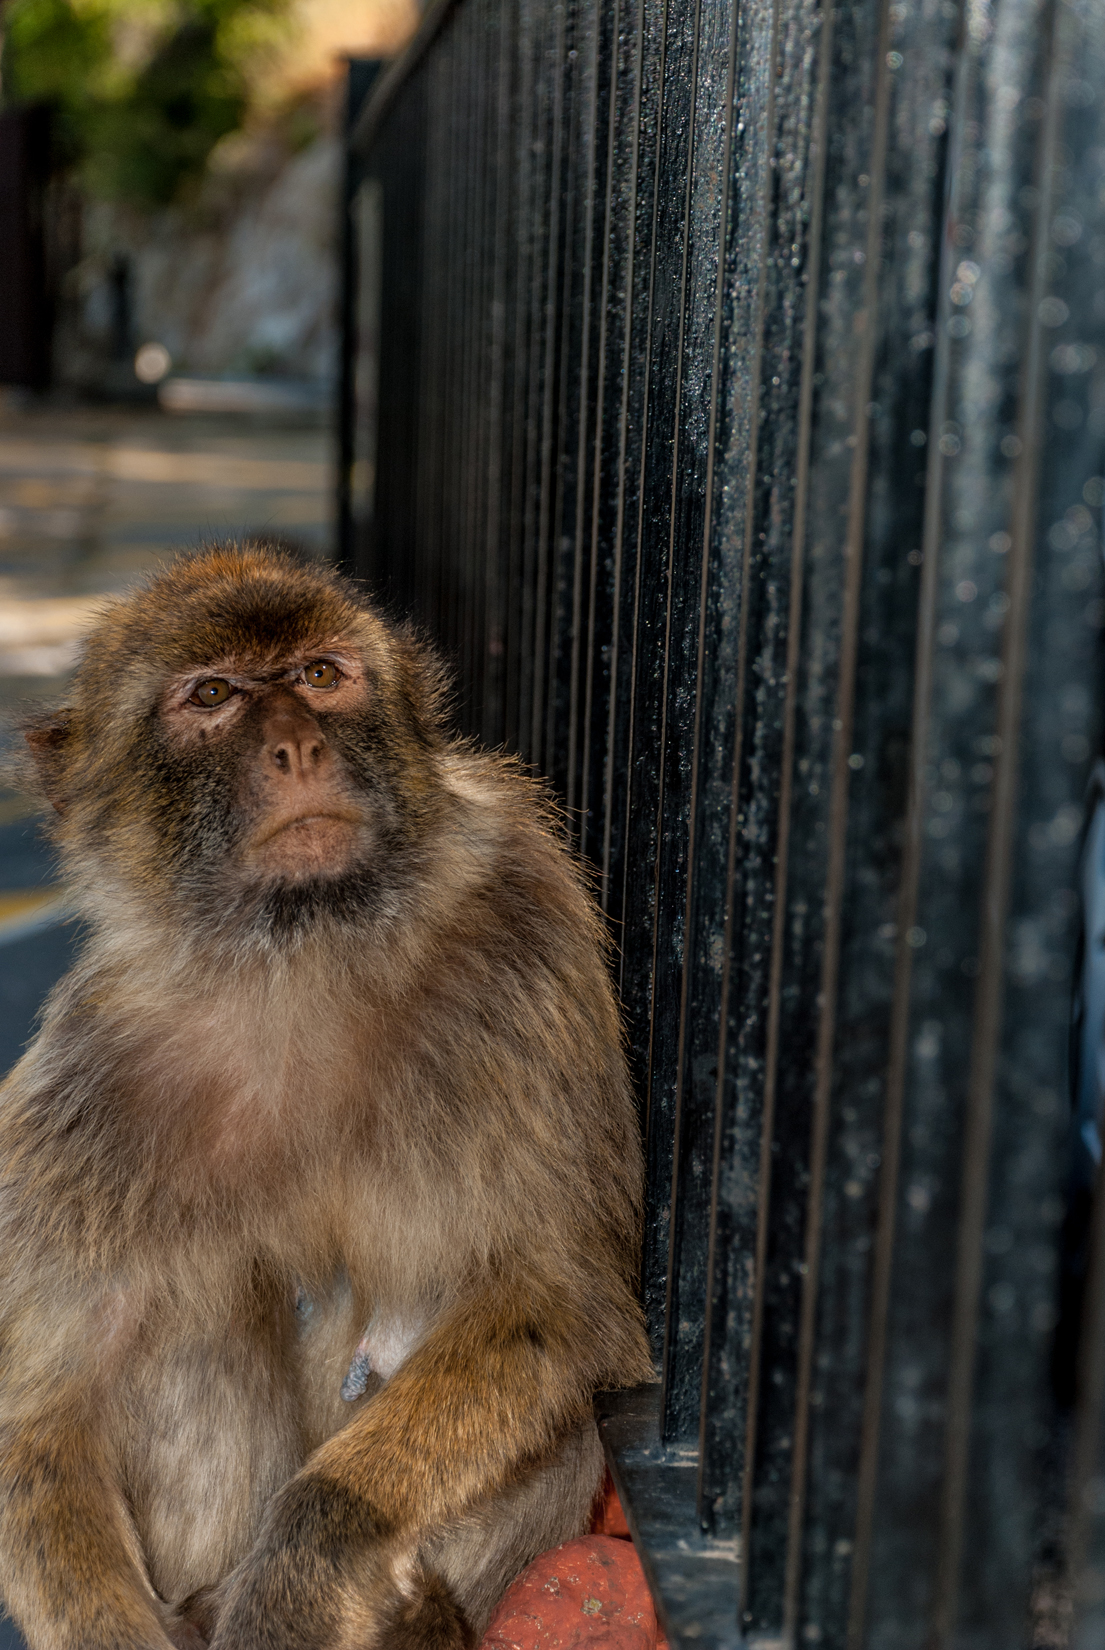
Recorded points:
(144,145)
(142,90)
(57,53)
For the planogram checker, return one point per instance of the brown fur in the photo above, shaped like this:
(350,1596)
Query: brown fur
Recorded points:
(349,1085)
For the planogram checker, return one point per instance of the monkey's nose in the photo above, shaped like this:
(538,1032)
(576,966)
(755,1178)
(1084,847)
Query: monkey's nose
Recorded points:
(295,754)
(295,748)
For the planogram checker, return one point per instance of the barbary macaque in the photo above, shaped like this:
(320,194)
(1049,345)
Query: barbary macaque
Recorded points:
(319,1185)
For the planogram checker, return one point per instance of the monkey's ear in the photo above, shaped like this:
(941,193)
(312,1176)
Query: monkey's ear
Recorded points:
(46,742)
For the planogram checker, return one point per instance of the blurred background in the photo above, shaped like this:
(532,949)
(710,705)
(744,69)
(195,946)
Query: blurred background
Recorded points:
(170,211)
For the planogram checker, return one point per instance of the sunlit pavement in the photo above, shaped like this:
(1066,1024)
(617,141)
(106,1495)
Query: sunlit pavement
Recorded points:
(90,499)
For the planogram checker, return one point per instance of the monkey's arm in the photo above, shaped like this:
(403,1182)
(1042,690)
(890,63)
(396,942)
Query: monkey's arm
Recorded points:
(485,1394)
(71,1569)
(72,1572)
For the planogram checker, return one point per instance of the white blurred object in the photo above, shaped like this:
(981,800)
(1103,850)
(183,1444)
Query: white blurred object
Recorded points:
(41,637)
(151,363)
(243,395)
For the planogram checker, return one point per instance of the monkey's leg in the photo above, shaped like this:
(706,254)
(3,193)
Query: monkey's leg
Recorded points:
(479,1555)
(493,1386)
(445,1591)
(72,1569)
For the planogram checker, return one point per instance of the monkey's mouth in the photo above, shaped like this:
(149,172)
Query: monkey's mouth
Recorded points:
(315,817)
(321,842)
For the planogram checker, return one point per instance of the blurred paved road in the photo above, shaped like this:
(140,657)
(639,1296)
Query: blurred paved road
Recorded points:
(90,499)
(34,951)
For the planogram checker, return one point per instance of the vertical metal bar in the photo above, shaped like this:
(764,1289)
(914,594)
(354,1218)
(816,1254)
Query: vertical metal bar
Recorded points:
(736,1137)
(485,526)
(457,545)
(428,488)
(1058,730)
(653,549)
(642,74)
(635,928)
(361,72)
(502,298)
(584,642)
(400,343)
(1087,1522)
(1069,571)
(573,338)
(458,427)
(546,45)
(488,365)
(946,1026)
(543,41)
(559,73)
(447,238)
(856,963)
(468,426)
(466,416)
(772,1217)
(705,199)
(599,498)
(542,301)
(993,943)
(426,500)
(774,1473)
(518,652)
(675,571)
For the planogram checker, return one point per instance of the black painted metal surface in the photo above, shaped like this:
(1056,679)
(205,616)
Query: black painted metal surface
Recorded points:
(738,432)
(25,162)
(356,384)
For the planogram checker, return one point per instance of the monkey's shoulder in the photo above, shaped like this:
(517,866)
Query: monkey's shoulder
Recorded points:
(523,876)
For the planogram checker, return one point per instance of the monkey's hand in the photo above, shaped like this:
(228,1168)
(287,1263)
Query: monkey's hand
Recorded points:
(324,1571)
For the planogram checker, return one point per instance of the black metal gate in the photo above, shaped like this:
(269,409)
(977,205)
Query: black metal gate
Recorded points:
(730,404)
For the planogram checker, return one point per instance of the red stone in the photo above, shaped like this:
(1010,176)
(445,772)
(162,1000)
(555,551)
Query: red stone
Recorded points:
(589,1594)
(608,1517)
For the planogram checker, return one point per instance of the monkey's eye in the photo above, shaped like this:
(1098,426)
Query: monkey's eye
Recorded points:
(215,692)
(322,674)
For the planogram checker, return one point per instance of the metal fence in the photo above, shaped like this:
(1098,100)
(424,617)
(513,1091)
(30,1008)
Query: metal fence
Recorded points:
(727,397)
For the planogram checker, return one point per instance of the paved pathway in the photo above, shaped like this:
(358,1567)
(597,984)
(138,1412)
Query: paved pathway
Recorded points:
(90,498)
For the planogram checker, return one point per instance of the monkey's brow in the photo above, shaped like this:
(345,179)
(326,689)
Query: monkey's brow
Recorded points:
(237,670)
(282,674)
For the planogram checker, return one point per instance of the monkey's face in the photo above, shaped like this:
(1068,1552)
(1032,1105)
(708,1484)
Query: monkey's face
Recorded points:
(296,806)
(250,747)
